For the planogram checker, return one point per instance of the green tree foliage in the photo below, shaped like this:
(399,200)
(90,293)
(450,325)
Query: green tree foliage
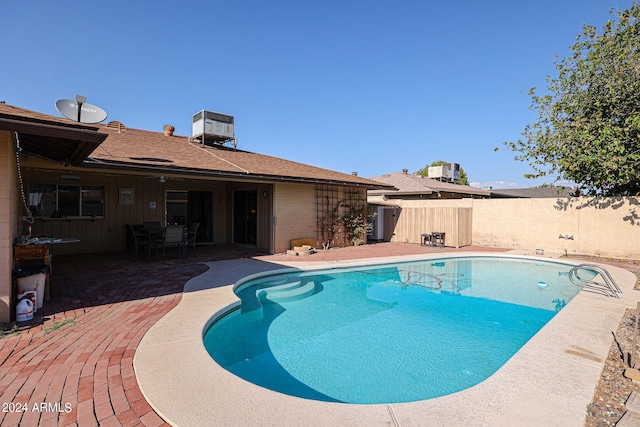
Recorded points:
(588,125)
(464,180)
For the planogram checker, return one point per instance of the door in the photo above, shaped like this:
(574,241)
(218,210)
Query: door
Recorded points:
(187,207)
(176,207)
(201,210)
(390,221)
(245,217)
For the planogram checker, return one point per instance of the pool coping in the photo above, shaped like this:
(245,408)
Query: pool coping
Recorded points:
(550,381)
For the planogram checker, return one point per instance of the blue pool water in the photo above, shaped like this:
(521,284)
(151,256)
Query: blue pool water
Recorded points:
(406,332)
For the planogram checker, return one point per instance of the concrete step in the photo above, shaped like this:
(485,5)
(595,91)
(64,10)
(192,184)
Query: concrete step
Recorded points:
(287,292)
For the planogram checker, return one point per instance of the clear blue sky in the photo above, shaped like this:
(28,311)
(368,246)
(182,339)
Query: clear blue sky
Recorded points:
(368,86)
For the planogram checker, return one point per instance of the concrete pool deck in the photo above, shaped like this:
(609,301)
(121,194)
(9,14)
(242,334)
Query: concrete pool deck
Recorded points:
(549,381)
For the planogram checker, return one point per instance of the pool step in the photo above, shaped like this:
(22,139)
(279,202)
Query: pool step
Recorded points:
(251,304)
(286,293)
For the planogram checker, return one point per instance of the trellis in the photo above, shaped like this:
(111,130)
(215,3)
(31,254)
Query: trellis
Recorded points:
(332,204)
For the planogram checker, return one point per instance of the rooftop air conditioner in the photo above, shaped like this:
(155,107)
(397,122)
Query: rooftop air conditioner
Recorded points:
(454,172)
(212,127)
(438,172)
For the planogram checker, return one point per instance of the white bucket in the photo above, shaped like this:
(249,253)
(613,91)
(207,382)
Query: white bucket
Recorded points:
(29,294)
(24,310)
(35,283)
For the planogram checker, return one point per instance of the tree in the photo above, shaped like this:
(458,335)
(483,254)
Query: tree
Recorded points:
(588,125)
(464,180)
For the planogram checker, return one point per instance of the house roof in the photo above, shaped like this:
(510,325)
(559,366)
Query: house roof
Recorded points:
(535,192)
(412,184)
(140,150)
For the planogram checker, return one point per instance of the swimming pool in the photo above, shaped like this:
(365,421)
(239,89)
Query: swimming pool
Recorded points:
(395,333)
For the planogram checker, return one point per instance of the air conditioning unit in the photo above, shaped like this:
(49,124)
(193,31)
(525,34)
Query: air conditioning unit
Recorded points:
(212,127)
(447,172)
(438,172)
(454,172)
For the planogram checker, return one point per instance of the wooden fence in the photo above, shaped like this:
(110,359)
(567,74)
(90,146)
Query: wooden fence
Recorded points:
(411,222)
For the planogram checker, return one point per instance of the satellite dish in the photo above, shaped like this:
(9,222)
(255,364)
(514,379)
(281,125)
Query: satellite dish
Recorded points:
(80,111)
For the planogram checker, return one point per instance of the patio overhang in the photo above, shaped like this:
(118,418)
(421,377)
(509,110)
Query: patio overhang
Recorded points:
(239,176)
(62,143)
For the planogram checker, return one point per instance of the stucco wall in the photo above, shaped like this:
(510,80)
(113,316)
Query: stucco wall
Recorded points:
(606,227)
(9,204)
(295,212)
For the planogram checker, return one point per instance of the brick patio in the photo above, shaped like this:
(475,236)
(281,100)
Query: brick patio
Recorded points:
(77,353)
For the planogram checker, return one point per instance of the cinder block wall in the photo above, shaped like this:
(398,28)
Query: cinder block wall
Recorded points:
(604,227)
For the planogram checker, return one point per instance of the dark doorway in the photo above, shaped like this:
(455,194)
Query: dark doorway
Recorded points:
(176,208)
(200,210)
(245,217)
(187,207)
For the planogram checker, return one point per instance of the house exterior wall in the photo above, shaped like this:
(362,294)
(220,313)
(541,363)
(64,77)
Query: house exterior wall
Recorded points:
(294,206)
(108,234)
(9,216)
(295,213)
(264,238)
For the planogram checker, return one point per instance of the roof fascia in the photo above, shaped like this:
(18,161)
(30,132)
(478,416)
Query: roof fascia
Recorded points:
(52,130)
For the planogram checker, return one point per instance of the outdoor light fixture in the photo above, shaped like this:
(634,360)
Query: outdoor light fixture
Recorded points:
(162,180)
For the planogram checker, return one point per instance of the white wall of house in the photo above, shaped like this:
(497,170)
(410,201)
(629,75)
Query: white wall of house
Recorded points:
(295,214)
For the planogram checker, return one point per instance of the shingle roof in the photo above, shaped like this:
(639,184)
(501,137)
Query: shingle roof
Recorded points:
(141,150)
(417,184)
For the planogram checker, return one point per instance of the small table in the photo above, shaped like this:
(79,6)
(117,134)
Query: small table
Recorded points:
(26,254)
(426,239)
(437,238)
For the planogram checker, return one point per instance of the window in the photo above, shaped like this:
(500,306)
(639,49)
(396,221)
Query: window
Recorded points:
(66,201)
(92,201)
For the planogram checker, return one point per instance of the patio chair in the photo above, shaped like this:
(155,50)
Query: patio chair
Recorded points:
(191,236)
(139,241)
(174,239)
(153,230)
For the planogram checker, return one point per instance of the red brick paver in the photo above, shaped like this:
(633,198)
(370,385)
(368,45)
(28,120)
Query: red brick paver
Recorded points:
(76,366)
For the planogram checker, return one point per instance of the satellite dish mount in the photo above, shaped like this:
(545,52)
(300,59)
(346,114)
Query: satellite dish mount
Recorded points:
(80,100)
